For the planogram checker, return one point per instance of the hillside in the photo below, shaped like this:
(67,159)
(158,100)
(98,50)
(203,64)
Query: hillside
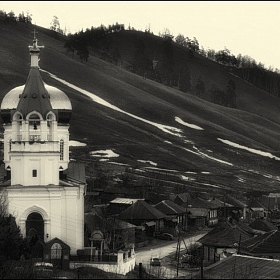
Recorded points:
(148,124)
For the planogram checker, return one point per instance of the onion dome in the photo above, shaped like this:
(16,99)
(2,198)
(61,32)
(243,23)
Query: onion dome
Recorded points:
(35,95)
(58,99)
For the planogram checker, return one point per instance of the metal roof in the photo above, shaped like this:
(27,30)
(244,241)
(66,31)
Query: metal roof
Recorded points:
(58,99)
(122,200)
(169,208)
(244,267)
(141,210)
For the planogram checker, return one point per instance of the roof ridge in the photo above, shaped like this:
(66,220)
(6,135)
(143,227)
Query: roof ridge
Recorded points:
(169,206)
(258,242)
(148,208)
(269,235)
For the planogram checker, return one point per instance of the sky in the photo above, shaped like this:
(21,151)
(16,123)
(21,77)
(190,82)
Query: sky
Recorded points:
(244,27)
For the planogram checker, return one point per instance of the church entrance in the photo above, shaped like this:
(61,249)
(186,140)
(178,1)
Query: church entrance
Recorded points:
(35,234)
(35,225)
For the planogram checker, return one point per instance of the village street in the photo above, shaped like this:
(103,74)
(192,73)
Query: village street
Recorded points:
(163,249)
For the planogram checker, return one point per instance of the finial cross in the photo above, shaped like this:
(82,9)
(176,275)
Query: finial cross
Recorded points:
(34,32)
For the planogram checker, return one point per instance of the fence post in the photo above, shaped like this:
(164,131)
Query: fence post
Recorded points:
(140,270)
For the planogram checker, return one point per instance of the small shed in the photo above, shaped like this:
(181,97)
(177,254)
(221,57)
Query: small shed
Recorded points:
(57,252)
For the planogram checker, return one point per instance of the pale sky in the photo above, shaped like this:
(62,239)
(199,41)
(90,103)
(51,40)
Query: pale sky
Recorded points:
(246,27)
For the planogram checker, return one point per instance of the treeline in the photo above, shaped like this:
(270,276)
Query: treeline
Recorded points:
(80,42)
(163,67)
(243,66)
(248,69)
(12,18)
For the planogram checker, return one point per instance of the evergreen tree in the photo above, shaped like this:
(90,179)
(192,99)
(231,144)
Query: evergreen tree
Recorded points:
(168,60)
(231,94)
(141,62)
(199,87)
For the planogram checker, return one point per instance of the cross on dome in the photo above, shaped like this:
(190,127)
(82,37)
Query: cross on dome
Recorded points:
(35,50)
(34,32)
(35,46)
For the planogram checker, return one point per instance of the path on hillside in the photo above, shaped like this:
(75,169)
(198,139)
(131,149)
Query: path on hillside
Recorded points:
(162,249)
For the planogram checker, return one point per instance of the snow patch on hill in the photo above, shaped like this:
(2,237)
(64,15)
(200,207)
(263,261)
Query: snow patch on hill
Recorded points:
(147,161)
(193,126)
(103,154)
(165,128)
(74,143)
(254,151)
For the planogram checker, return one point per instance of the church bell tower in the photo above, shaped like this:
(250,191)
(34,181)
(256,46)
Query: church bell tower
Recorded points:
(42,198)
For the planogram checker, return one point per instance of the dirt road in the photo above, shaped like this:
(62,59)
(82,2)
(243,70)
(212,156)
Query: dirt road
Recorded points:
(162,249)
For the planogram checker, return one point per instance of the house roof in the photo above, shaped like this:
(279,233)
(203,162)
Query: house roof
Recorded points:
(268,243)
(95,220)
(56,240)
(123,200)
(141,210)
(218,203)
(226,234)
(169,208)
(269,202)
(180,198)
(227,238)
(234,201)
(263,225)
(255,204)
(199,203)
(243,267)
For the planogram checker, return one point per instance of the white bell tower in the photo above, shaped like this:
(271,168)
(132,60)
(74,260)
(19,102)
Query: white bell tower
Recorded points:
(36,155)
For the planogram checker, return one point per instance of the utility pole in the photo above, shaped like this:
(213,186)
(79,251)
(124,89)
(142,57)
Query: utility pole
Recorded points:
(239,243)
(178,251)
(201,263)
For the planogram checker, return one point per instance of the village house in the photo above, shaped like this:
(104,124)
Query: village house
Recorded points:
(224,240)
(201,213)
(237,210)
(117,234)
(176,216)
(257,210)
(147,219)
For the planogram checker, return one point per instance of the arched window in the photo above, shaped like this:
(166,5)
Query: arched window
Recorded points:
(50,120)
(34,127)
(61,149)
(56,251)
(18,119)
